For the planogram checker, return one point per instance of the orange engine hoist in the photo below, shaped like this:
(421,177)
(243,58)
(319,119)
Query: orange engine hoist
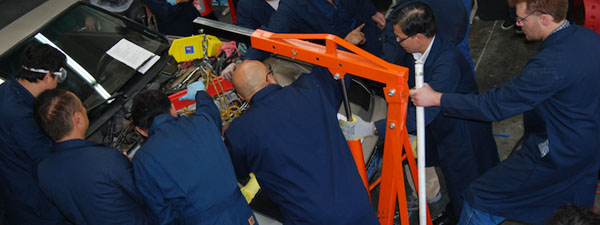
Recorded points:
(362,64)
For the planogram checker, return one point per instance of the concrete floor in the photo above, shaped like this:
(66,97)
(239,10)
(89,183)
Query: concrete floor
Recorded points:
(499,55)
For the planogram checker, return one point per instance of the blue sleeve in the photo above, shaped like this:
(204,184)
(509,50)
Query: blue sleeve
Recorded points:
(454,20)
(238,154)
(30,138)
(282,21)
(368,8)
(390,46)
(320,77)
(150,189)
(445,77)
(205,104)
(244,15)
(255,54)
(162,9)
(392,51)
(380,128)
(121,172)
(536,83)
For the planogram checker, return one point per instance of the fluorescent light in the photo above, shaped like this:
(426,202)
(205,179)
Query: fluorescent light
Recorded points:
(1,80)
(77,68)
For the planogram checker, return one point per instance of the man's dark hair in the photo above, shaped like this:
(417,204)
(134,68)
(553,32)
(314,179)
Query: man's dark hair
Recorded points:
(414,18)
(573,215)
(40,56)
(147,105)
(53,112)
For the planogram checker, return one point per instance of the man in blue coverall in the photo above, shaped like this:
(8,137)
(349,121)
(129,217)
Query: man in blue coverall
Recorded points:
(357,21)
(88,182)
(558,161)
(22,143)
(183,170)
(253,14)
(464,149)
(290,138)
(175,17)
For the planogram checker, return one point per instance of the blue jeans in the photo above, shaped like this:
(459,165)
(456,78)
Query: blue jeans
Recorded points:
(472,216)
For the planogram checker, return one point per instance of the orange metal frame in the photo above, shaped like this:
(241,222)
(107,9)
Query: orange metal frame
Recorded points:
(363,64)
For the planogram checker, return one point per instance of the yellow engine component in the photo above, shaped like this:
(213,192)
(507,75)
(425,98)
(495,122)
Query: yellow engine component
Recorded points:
(190,48)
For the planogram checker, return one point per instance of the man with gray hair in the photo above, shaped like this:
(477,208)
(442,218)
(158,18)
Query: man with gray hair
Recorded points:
(559,159)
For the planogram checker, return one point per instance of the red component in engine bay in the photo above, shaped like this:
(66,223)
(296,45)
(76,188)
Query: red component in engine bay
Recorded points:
(210,90)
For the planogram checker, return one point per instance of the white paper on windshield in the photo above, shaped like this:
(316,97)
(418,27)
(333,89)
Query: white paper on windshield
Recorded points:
(133,55)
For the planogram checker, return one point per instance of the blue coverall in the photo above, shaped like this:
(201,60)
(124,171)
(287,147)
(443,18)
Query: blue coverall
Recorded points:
(91,184)
(452,24)
(558,163)
(252,14)
(319,16)
(174,19)
(184,171)
(22,147)
(464,149)
(290,138)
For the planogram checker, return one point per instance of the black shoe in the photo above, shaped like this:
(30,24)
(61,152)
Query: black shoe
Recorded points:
(412,203)
(508,23)
(447,217)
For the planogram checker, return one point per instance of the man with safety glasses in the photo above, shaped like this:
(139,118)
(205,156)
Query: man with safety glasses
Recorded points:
(463,149)
(557,93)
(22,143)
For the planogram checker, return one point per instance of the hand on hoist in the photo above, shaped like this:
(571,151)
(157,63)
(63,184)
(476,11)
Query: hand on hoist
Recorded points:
(357,128)
(192,89)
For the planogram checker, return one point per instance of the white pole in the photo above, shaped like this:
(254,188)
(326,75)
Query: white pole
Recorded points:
(421,147)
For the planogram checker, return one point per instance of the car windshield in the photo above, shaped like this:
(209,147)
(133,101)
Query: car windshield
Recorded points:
(85,34)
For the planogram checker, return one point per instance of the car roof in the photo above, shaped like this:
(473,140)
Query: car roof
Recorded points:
(28,23)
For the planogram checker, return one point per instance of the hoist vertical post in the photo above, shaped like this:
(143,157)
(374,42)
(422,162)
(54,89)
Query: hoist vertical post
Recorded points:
(354,145)
(421,146)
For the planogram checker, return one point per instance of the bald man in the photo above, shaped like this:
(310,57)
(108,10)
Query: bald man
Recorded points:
(252,77)
(290,138)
